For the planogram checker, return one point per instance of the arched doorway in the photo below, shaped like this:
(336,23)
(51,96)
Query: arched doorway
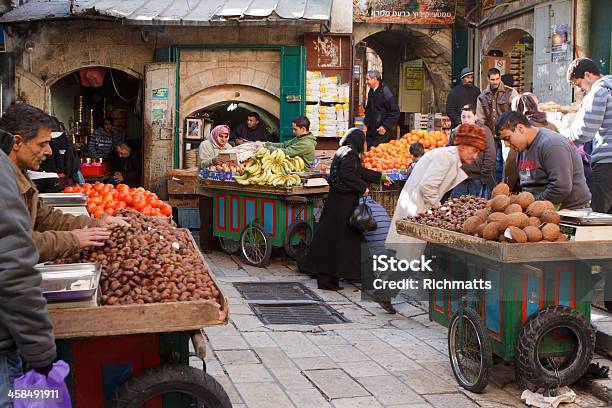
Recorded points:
(397,45)
(516,47)
(82,99)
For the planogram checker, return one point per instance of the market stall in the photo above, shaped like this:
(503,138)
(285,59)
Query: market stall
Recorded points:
(535,311)
(124,314)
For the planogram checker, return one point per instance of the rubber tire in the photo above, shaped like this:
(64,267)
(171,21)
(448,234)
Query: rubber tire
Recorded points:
(268,250)
(291,231)
(529,371)
(181,378)
(486,353)
(231,248)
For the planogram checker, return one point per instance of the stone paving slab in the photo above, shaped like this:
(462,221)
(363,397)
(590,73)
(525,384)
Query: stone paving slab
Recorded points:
(376,360)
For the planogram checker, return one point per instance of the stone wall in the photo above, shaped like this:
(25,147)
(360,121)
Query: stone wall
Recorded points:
(62,47)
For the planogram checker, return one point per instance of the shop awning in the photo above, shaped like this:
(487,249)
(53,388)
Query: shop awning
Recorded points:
(178,12)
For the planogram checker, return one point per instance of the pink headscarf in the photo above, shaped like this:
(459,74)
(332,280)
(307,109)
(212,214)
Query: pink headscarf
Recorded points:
(214,135)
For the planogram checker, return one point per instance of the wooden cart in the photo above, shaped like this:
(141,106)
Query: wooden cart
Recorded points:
(122,356)
(253,219)
(536,314)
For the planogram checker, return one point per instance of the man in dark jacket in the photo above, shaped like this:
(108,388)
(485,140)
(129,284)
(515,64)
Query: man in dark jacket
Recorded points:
(101,142)
(492,102)
(381,112)
(251,131)
(25,329)
(464,94)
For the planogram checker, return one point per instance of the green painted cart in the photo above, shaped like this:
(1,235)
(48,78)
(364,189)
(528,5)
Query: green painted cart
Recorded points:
(253,219)
(536,313)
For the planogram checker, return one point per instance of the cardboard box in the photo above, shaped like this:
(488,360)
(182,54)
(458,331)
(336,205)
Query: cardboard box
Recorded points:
(182,184)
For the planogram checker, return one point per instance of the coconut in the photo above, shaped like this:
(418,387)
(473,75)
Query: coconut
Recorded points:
(491,231)
(525,199)
(549,205)
(535,222)
(562,238)
(536,209)
(513,198)
(496,216)
(550,216)
(470,225)
(500,189)
(517,219)
(516,235)
(533,233)
(500,203)
(483,214)
(550,232)
(513,208)
(480,228)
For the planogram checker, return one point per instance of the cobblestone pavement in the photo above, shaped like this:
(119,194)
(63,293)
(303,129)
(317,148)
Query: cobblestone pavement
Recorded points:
(377,360)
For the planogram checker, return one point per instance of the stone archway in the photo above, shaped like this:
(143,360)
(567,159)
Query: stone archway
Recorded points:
(506,40)
(433,47)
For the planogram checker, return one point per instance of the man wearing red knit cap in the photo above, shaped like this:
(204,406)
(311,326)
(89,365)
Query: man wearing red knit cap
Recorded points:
(437,172)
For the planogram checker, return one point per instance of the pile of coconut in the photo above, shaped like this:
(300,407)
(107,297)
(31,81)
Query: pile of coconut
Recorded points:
(516,218)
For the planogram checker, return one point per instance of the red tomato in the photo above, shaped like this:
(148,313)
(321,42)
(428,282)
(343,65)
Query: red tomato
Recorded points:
(98,213)
(129,200)
(109,210)
(69,190)
(99,186)
(139,205)
(96,200)
(147,211)
(166,210)
(91,208)
(122,187)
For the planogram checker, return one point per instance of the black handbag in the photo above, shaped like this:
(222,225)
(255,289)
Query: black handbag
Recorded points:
(362,218)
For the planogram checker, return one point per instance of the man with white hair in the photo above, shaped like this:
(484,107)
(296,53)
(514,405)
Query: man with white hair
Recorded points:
(381,111)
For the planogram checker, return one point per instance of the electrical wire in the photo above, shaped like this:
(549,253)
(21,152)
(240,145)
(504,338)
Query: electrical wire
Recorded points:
(117,92)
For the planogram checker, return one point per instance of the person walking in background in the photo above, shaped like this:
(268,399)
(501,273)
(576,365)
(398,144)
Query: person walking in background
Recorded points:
(481,173)
(491,103)
(463,94)
(335,252)
(594,123)
(381,111)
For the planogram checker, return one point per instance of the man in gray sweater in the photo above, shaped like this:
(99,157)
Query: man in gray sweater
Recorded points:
(594,123)
(550,167)
(26,333)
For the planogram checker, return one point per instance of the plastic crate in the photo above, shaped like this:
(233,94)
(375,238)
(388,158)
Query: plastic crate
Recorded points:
(188,217)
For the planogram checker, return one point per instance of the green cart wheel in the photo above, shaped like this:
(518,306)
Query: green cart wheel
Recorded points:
(469,350)
(255,245)
(297,240)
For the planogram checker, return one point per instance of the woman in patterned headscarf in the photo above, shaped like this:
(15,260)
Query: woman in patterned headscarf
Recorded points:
(208,154)
(209,149)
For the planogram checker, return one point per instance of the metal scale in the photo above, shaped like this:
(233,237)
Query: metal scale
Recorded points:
(586,225)
(69,203)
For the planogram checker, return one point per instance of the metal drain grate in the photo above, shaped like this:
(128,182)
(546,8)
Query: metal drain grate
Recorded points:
(308,314)
(275,291)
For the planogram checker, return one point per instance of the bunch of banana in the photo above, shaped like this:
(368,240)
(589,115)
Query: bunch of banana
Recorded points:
(271,168)
(286,180)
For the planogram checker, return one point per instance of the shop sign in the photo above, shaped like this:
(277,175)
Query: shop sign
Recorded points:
(492,3)
(159,106)
(404,11)
(413,75)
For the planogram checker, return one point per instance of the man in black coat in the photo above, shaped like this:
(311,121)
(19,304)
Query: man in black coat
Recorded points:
(381,112)
(464,94)
(127,168)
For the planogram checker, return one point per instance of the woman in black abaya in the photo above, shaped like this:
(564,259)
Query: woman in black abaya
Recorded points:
(335,252)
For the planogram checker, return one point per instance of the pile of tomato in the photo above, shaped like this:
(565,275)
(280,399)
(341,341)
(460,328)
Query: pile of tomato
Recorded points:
(108,199)
(395,155)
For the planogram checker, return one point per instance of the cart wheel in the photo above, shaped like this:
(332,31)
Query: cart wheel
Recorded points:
(469,350)
(297,240)
(176,381)
(229,246)
(535,367)
(255,245)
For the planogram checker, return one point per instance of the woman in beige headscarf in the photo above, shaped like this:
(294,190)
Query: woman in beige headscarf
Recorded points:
(527,104)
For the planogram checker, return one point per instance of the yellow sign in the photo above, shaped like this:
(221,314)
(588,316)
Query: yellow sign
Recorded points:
(413,75)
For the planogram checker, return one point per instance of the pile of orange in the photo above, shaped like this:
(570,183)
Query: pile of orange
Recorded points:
(395,155)
(108,199)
